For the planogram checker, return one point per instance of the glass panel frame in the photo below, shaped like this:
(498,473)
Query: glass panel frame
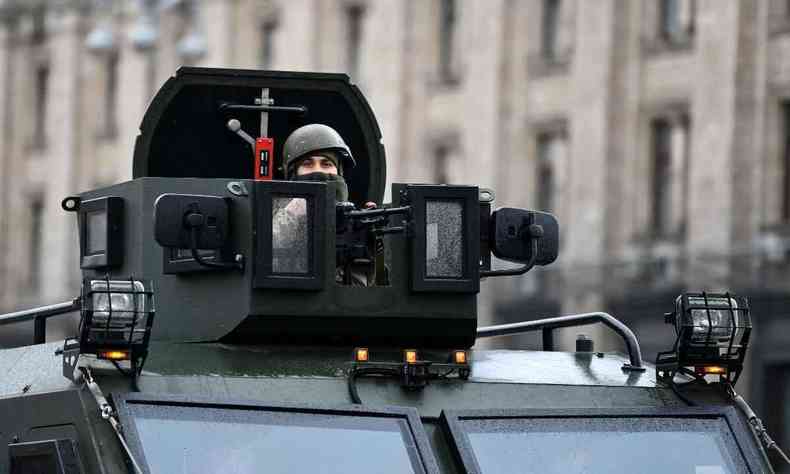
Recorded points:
(419,450)
(59,456)
(112,254)
(452,421)
(317,218)
(468,197)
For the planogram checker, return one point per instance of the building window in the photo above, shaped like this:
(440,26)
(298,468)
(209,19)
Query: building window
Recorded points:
(109,124)
(34,256)
(354,16)
(660,192)
(40,106)
(39,30)
(550,29)
(676,20)
(441,168)
(553,38)
(551,147)
(547,148)
(669,175)
(268,30)
(447,30)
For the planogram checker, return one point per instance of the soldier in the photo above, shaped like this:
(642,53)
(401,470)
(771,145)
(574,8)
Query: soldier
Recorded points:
(318,148)
(315,152)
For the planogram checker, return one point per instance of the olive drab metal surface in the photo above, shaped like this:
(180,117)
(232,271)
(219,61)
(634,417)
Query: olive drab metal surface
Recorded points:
(233,320)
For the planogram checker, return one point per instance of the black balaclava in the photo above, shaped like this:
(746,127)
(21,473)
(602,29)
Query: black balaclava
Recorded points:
(341,189)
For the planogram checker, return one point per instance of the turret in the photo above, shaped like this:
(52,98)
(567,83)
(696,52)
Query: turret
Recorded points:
(199,223)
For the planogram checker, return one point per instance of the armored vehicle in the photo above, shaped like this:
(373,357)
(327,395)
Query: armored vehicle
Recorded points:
(212,340)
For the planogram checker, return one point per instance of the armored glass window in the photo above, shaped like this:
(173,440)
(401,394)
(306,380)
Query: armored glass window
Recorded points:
(290,225)
(445,252)
(96,240)
(212,437)
(444,239)
(561,445)
(705,441)
(776,395)
(290,235)
(101,235)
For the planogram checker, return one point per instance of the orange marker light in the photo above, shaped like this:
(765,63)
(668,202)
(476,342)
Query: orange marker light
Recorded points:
(114,355)
(459,357)
(361,354)
(410,356)
(712,370)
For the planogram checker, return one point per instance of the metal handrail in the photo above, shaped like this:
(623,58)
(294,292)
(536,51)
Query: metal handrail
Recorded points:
(39,316)
(549,324)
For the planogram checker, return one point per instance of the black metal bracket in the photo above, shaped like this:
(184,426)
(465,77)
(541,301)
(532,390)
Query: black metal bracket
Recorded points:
(548,324)
(71,357)
(413,376)
(516,270)
(299,109)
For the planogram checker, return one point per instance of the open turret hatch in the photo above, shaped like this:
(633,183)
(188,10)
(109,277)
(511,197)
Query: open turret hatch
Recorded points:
(184,133)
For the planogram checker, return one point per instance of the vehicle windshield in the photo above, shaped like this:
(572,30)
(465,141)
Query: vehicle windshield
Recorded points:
(604,445)
(193,439)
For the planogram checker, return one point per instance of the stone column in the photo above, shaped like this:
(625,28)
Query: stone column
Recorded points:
(482,40)
(382,64)
(585,227)
(135,91)
(60,272)
(749,154)
(293,48)
(214,19)
(713,128)
(6,130)
(623,189)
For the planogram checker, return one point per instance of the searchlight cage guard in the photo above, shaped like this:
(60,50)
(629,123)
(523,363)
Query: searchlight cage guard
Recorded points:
(712,337)
(115,323)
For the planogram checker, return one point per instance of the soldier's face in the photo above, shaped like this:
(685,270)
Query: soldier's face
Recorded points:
(316,164)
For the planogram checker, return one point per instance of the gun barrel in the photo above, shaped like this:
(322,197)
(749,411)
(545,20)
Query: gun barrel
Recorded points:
(379,212)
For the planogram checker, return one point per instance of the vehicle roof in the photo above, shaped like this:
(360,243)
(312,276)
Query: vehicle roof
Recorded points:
(500,378)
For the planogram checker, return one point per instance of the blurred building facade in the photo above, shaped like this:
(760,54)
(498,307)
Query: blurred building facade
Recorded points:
(657,131)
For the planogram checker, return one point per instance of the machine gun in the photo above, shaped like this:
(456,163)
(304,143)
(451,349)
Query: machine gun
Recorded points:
(359,239)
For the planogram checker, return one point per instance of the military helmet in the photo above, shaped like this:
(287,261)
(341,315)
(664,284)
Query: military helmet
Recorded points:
(314,138)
